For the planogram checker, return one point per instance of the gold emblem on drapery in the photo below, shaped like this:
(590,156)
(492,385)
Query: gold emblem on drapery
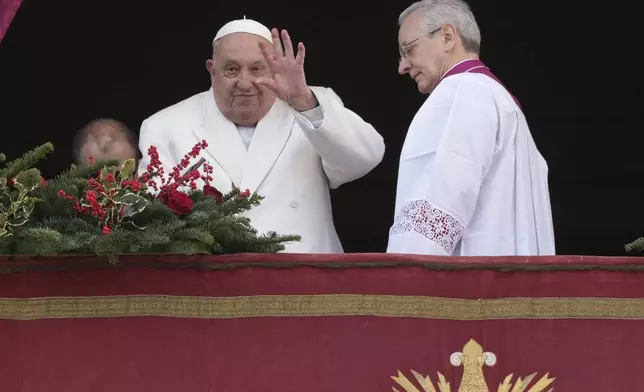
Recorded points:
(472,359)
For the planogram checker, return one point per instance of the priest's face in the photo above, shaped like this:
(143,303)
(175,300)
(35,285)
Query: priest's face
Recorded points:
(236,65)
(422,55)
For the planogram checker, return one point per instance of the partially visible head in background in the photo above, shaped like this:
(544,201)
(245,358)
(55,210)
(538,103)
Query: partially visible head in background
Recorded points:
(104,139)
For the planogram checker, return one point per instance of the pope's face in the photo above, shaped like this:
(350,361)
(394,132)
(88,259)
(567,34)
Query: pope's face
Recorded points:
(423,56)
(237,63)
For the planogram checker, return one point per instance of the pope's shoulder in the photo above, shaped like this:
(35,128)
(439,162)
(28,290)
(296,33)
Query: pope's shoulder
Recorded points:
(189,107)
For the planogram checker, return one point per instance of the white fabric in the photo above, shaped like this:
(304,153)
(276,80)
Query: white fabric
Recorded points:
(471,181)
(315,116)
(244,26)
(289,161)
(246,133)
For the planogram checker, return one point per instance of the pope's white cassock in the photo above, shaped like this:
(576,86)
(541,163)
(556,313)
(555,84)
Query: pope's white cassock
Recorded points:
(471,181)
(290,158)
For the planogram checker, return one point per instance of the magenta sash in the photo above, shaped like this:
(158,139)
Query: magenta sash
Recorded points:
(477,66)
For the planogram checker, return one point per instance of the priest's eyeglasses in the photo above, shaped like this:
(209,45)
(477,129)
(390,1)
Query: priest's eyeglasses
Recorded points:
(405,49)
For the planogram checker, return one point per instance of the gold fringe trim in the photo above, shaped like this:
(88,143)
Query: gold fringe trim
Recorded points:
(321,305)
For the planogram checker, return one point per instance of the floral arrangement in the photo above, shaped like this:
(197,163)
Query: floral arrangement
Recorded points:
(104,209)
(635,246)
(17,181)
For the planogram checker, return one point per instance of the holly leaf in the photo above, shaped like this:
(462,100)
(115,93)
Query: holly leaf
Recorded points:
(133,204)
(18,221)
(127,169)
(20,188)
(120,193)
(28,205)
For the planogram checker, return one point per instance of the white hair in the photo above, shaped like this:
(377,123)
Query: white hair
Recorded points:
(454,12)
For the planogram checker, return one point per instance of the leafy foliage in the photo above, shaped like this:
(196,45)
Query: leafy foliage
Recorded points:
(17,180)
(27,161)
(635,246)
(103,209)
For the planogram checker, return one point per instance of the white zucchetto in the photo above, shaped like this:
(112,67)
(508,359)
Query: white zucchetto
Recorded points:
(244,26)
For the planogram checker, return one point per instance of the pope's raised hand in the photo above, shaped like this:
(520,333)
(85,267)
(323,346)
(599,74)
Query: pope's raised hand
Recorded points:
(287,69)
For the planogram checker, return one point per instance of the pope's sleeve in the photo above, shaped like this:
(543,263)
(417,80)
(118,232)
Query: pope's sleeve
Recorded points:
(442,201)
(348,146)
(151,135)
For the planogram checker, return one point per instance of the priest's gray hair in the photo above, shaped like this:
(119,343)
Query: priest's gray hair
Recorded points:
(454,12)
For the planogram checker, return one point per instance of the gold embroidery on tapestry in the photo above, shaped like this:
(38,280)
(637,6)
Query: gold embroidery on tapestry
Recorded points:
(321,305)
(473,380)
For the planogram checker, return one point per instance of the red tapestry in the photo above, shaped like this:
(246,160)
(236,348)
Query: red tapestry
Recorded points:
(8,9)
(322,323)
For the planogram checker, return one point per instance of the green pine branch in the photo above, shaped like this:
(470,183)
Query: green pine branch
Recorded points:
(76,172)
(28,160)
(55,227)
(635,246)
(209,229)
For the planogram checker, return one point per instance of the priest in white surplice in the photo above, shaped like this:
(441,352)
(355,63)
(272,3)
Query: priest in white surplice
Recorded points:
(269,132)
(471,181)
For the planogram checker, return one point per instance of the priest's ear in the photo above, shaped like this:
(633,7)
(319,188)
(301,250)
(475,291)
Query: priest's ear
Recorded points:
(449,37)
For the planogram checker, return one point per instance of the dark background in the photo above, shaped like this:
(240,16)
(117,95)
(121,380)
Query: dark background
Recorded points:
(571,64)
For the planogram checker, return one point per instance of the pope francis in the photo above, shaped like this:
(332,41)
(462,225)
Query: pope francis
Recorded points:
(269,132)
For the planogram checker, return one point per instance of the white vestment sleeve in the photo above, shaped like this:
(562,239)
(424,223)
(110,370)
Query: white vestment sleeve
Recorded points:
(315,117)
(441,203)
(348,146)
